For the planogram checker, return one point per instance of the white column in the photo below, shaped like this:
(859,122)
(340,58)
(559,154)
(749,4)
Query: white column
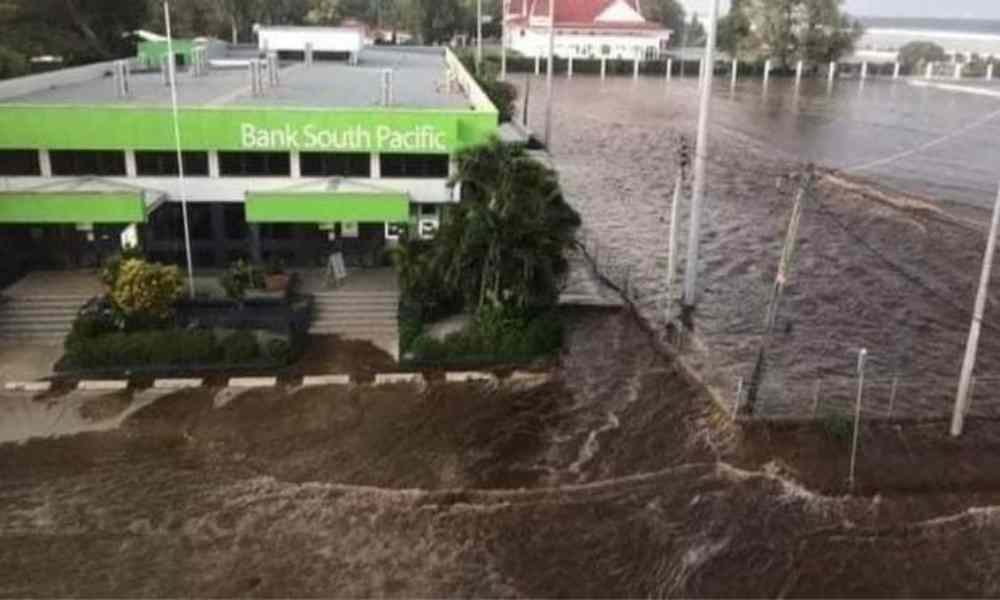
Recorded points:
(296,164)
(833,72)
(670,69)
(635,68)
(989,72)
(376,166)
(736,70)
(213,164)
(798,73)
(130,167)
(538,64)
(569,67)
(864,70)
(895,71)
(45,163)
(604,67)
(767,70)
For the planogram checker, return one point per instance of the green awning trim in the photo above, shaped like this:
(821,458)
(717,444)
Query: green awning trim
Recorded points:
(72,207)
(327,207)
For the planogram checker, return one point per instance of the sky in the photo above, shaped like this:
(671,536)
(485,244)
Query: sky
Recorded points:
(956,9)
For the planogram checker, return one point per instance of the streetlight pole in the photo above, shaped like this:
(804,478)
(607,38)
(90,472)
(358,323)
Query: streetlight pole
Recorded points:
(972,347)
(479,37)
(503,40)
(172,73)
(548,74)
(700,163)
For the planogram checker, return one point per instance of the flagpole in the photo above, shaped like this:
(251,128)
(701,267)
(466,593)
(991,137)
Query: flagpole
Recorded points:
(172,72)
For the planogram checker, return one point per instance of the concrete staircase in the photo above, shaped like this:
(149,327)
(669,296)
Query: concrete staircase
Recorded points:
(369,315)
(39,318)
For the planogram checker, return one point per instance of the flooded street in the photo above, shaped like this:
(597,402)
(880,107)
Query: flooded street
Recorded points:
(887,260)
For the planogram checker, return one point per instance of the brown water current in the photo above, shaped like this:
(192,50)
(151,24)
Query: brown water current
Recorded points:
(887,260)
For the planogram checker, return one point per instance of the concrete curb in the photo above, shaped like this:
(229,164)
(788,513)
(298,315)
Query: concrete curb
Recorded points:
(397,378)
(324,380)
(27,386)
(102,386)
(469,376)
(244,383)
(177,384)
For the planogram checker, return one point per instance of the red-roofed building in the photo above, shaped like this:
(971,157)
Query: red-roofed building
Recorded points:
(584,29)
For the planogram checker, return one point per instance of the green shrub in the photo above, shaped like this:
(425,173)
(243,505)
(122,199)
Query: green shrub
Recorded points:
(240,347)
(143,288)
(88,327)
(159,348)
(240,278)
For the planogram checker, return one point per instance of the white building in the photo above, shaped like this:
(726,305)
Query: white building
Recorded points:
(584,29)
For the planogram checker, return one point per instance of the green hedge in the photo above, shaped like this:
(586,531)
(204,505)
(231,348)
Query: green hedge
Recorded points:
(493,337)
(172,348)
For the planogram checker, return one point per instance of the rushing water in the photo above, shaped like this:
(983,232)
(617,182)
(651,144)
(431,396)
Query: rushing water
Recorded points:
(897,282)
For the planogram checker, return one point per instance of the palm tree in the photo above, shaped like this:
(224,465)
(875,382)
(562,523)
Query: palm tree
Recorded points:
(505,243)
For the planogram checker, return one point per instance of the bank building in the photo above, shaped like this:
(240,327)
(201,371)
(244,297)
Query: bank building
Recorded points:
(304,144)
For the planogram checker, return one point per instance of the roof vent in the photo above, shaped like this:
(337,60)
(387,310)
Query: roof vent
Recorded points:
(123,78)
(387,87)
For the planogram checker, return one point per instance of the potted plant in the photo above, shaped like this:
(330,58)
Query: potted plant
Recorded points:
(276,279)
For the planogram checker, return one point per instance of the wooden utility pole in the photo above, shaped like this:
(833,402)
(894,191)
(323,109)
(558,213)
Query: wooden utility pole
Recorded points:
(777,291)
(972,347)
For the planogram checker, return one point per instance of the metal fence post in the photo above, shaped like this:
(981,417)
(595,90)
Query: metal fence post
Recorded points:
(862,356)
(819,385)
(892,395)
(739,397)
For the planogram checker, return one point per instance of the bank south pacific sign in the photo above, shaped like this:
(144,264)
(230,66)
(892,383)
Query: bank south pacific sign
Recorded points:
(415,138)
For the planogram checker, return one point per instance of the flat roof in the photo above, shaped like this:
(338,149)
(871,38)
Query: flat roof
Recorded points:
(420,81)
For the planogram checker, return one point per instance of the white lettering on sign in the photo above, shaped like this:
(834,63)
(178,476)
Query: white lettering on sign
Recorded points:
(422,138)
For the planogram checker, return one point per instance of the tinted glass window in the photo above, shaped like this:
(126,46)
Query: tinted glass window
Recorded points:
(87,162)
(433,166)
(255,164)
(321,164)
(19,162)
(152,164)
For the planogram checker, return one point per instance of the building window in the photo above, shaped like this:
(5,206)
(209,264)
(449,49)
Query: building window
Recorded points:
(255,164)
(157,164)
(417,166)
(325,164)
(87,162)
(19,162)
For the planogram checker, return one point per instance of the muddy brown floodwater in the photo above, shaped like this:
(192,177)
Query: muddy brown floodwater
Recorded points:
(880,269)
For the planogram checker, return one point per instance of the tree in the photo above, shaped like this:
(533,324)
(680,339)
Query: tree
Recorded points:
(505,242)
(915,54)
(12,64)
(735,31)
(439,19)
(669,13)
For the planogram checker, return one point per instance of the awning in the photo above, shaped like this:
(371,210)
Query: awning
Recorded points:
(327,207)
(50,207)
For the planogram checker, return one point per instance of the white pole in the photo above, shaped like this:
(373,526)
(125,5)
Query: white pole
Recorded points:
(548,75)
(503,40)
(736,70)
(672,241)
(479,36)
(864,70)
(972,347)
(700,165)
(635,67)
(895,71)
(862,356)
(989,72)
(604,67)
(180,155)
(670,69)
(569,68)
(833,72)
(958,70)
(798,73)
(767,70)
(538,63)
(930,71)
